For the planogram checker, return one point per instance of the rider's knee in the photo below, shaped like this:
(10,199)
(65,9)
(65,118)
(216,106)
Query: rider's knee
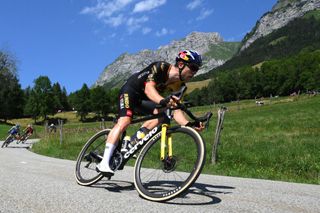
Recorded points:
(123,123)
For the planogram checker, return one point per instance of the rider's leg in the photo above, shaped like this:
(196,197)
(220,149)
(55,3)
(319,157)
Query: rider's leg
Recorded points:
(111,143)
(144,129)
(150,124)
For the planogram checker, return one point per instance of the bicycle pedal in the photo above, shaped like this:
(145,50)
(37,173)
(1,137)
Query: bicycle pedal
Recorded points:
(107,175)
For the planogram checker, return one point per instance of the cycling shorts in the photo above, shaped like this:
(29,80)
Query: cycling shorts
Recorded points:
(132,102)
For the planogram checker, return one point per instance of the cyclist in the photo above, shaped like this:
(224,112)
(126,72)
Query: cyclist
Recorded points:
(27,132)
(15,131)
(141,93)
(52,128)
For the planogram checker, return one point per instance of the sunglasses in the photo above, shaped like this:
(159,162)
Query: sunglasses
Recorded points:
(193,67)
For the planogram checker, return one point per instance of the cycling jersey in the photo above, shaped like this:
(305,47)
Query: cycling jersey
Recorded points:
(132,93)
(13,131)
(29,130)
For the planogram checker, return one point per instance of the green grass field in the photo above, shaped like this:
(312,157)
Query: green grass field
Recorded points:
(279,140)
(197,85)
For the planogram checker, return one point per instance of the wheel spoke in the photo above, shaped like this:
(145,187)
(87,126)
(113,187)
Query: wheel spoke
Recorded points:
(88,159)
(167,179)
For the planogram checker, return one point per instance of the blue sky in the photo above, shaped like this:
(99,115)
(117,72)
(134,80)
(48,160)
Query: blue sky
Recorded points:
(72,41)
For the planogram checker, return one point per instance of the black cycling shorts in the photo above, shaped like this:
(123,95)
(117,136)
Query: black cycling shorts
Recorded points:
(132,102)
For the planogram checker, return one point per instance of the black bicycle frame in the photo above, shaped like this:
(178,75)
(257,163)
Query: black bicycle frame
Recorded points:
(166,115)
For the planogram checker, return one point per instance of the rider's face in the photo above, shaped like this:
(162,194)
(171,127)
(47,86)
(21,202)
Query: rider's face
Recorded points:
(187,73)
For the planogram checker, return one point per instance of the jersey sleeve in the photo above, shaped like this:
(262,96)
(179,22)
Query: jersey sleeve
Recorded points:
(152,77)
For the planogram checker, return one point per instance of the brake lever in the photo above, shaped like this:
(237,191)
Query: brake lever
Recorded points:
(179,93)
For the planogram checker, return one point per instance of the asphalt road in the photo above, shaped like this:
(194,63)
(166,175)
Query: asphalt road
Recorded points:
(34,183)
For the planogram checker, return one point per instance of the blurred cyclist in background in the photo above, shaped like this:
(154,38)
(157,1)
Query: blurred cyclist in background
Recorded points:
(15,131)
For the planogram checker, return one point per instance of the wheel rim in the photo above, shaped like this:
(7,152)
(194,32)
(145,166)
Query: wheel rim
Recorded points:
(162,179)
(90,156)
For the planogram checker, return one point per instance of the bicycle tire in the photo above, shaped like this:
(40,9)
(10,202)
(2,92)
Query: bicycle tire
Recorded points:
(158,181)
(6,142)
(89,157)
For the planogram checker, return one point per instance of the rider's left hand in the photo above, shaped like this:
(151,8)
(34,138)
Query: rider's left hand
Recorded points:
(200,127)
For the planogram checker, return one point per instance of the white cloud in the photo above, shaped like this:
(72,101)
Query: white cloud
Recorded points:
(115,21)
(146,30)
(204,14)
(117,13)
(194,4)
(105,8)
(148,5)
(163,32)
(135,23)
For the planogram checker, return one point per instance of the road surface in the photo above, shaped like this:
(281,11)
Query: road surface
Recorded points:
(33,183)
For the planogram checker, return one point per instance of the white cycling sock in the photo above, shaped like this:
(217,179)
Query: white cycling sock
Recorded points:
(108,153)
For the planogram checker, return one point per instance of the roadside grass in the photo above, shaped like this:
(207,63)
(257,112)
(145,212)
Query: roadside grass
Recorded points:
(4,131)
(278,141)
(197,85)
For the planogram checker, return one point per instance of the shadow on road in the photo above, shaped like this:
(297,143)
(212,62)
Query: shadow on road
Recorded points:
(25,145)
(202,194)
(115,185)
(22,146)
(198,194)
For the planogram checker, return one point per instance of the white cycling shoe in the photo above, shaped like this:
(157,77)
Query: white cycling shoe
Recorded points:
(103,168)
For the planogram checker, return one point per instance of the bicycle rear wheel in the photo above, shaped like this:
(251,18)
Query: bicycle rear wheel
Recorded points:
(91,155)
(158,180)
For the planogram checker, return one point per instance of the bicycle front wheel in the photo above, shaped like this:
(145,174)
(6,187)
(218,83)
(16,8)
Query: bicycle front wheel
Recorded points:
(91,155)
(8,140)
(161,180)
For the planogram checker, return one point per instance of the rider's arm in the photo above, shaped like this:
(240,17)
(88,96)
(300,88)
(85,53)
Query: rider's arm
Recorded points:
(180,117)
(152,93)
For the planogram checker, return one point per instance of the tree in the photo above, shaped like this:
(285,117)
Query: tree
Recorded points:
(11,94)
(57,96)
(32,107)
(82,102)
(100,101)
(40,102)
(64,99)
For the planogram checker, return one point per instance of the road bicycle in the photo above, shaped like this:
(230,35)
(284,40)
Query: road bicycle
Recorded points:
(170,158)
(9,140)
(23,138)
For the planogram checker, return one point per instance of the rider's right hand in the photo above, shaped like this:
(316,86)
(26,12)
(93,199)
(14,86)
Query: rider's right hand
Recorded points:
(170,101)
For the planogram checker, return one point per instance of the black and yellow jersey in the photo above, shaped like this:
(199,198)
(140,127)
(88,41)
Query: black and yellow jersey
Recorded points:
(157,72)
(132,94)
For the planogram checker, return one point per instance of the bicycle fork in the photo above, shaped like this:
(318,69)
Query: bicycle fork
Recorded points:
(166,142)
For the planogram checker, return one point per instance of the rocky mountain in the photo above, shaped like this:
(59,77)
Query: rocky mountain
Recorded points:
(281,14)
(210,45)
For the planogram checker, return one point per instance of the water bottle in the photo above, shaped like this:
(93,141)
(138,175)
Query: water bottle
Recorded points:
(126,144)
(138,135)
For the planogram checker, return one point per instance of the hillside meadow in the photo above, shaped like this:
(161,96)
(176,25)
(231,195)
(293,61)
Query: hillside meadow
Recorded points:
(279,140)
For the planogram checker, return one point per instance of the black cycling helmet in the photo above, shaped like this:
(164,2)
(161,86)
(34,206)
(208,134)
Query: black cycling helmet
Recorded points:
(190,57)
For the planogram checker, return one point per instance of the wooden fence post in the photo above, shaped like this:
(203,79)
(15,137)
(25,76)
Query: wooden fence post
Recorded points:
(214,156)
(46,130)
(60,122)
(102,124)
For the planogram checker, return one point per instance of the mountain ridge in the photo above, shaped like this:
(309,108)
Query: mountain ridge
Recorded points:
(281,14)
(204,42)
